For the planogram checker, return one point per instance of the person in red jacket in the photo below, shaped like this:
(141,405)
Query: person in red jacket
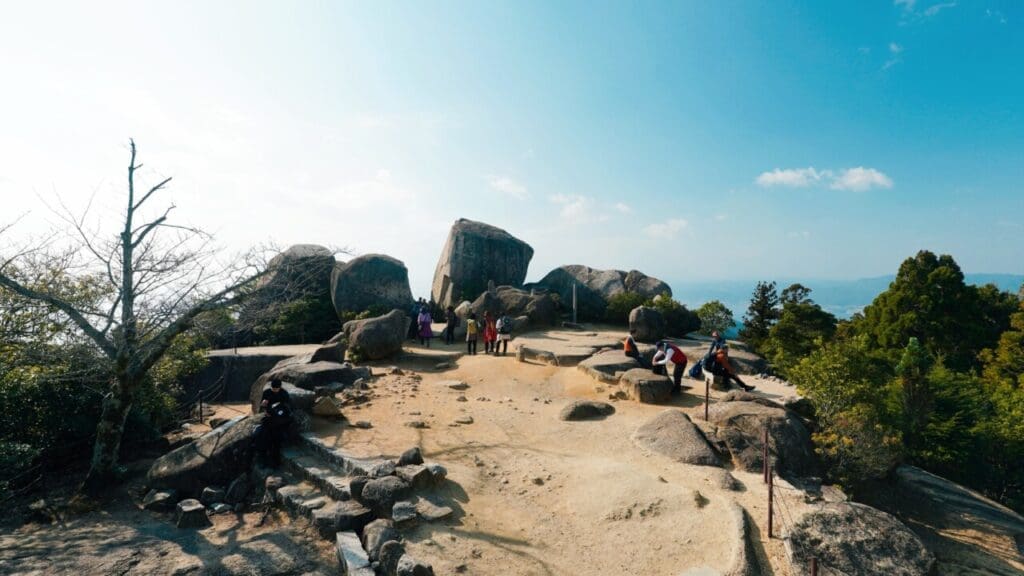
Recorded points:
(490,333)
(668,352)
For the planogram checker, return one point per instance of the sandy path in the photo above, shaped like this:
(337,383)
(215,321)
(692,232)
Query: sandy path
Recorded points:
(542,496)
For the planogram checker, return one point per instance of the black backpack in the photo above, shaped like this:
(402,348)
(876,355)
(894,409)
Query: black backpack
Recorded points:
(506,325)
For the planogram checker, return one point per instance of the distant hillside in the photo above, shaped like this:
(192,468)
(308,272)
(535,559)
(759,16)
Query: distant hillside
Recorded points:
(840,297)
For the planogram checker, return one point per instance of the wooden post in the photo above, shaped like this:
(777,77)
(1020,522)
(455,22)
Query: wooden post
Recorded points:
(574,303)
(200,406)
(771,501)
(814,567)
(764,454)
(707,398)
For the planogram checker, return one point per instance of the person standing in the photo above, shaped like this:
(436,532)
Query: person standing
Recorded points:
(451,320)
(668,352)
(424,320)
(490,333)
(472,330)
(504,329)
(277,405)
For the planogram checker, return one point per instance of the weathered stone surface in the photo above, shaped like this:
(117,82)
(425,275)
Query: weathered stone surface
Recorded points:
(673,434)
(302,373)
(585,410)
(160,500)
(607,366)
(741,425)
(191,514)
(211,495)
(352,559)
(645,386)
(300,271)
(646,324)
(744,558)
(371,280)
(377,338)
(411,456)
(415,475)
(217,457)
(390,553)
(340,516)
(409,566)
(595,287)
(432,512)
(453,384)
(404,514)
(376,534)
(538,309)
(385,468)
(380,494)
(858,540)
(356,485)
(327,407)
(437,472)
(475,254)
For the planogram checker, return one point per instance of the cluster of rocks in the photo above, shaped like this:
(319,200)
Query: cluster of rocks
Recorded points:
(636,383)
(595,287)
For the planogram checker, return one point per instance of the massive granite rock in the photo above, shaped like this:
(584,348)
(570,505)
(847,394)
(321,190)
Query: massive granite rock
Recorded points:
(308,373)
(377,338)
(858,540)
(740,426)
(371,280)
(646,324)
(216,458)
(475,254)
(301,271)
(595,287)
(539,308)
(673,434)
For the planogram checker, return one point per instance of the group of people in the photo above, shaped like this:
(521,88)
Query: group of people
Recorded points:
(496,330)
(715,361)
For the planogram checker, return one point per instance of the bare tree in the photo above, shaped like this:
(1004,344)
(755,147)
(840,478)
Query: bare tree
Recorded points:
(158,277)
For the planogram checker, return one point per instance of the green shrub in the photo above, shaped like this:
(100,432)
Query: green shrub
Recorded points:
(679,320)
(620,305)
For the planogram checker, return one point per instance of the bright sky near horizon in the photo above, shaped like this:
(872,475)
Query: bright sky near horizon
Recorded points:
(691,140)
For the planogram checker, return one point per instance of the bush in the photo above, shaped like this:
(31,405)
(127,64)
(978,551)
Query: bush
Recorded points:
(715,317)
(679,321)
(620,305)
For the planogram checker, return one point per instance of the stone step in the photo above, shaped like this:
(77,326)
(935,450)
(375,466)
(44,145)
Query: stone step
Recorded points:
(343,462)
(315,471)
(327,515)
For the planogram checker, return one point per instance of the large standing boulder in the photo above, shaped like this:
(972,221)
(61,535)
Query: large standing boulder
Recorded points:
(300,271)
(475,254)
(539,308)
(370,281)
(595,287)
(646,324)
(216,458)
(741,426)
(377,338)
(673,434)
(858,540)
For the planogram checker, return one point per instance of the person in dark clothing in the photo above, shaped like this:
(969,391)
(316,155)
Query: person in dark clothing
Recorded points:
(723,368)
(717,342)
(277,405)
(630,348)
(451,320)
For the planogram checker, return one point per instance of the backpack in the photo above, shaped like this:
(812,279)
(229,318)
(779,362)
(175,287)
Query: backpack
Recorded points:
(504,325)
(696,369)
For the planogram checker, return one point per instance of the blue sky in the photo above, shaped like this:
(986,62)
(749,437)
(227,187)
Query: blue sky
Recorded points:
(693,141)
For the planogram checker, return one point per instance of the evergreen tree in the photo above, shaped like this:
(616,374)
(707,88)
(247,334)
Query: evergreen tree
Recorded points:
(714,317)
(761,314)
(802,326)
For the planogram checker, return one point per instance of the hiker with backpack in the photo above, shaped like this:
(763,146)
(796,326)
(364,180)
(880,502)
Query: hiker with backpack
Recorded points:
(722,367)
(472,331)
(504,329)
(669,352)
(277,405)
(451,321)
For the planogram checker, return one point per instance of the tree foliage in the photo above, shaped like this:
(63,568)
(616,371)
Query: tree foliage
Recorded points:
(761,314)
(802,325)
(679,320)
(715,317)
(621,304)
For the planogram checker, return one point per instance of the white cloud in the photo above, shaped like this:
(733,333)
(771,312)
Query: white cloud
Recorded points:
(856,179)
(996,14)
(790,177)
(623,208)
(860,179)
(574,206)
(895,48)
(666,230)
(798,234)
(906,4)
(508,186)
(935,9)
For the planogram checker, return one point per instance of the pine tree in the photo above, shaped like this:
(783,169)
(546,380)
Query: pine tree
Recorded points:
(761,314)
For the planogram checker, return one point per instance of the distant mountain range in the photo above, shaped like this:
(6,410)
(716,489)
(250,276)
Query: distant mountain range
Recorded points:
(840,297)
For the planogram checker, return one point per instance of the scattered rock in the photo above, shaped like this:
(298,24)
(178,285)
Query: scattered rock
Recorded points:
(438,473)
(416,424)
(415,475)
(376,534)
(217,422)
(390,553)
(352,559)
(411,456)
(464,420)
(404,513)
(380,494)
(409,566)
(221,508)
(454,384)
(160,500)
(672,433)
(645,386)
(363,424)
(585,410)
(385,468)
(356,485)
(327,407)
(211,494)
(432,512)
(191,514)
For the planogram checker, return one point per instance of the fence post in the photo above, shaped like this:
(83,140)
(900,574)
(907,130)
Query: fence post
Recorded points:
(764,454)
(707,396)
(771,501)
(814,567)
(200,405)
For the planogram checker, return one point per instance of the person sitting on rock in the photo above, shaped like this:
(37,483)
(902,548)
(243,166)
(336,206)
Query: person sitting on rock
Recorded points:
(669,352)
(716,343)
(277,405)
(504,330)
(490,333)
(472,333)
(723,368)
(630,348)
(424,320)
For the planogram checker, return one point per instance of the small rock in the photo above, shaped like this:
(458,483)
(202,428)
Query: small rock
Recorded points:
(390,553)
(351,556)
(411,456)
(454,384)
(464,420)
(221,508)
(385,468)
(160,500)
(415,475)
(362,424)
(404,514)
(356,485)
(432,512)
(438,473)
(376,534)
(416,424)
(414,413)
(538,481)
(191,514)
(461,398)
(211,495)
(699,499)
(409,566)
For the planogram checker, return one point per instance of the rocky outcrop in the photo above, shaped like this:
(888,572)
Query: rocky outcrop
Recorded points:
(645,386)
(595,287)
(370,281)
(673,434)
(740,426)
(540,309)
(608,366)
(300,271)
(857,540)
(474,255)
(585,410)
(216,458)
(646,324)
(377,338)
(311,377)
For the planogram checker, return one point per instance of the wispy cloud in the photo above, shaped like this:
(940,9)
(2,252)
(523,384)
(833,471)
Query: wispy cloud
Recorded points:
(936,8)
(666,230)
(996,15)
(578,208)
(860,179)
(914,13)
(894,55)
(906,4)
(623,208)
(857,179)
(507,185)
(895,48)
(790,177)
